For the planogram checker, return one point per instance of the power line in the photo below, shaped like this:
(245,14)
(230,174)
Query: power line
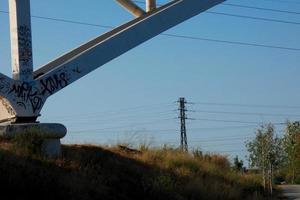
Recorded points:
(285,1)
(119,117)
(160,131)
(222,140)
(261,8)
(251,17)
(246,105)
(231,42)
(139,108)
(223,128)
(231,121)
(172,131)
(109,128)
(189,37)
(246,113)
(167,131)
(128,124)
(210,12)
(250,7)
(218,140)
(193,38)
(72,22)
(66,21)
(254,18)
(220,145)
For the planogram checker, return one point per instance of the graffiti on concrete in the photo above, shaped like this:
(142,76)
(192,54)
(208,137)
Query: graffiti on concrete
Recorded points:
(25,48)
(53,83)
(4,86)
(26,93)
(30,96)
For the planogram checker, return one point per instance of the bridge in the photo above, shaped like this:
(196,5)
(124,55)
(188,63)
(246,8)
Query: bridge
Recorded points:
(22,97)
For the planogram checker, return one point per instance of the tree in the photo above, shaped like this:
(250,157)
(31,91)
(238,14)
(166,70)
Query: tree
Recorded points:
(291,144)
(237,164)
(265,153)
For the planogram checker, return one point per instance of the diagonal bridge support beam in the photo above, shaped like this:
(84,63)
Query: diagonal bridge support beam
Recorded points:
(101,50)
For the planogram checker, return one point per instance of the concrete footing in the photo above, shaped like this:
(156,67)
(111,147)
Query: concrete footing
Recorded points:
(52,147)
(51,133)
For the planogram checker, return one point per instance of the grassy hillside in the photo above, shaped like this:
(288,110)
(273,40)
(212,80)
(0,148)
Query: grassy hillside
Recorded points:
(90,172)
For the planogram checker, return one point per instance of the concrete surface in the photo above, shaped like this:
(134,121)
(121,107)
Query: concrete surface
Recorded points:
(52,133)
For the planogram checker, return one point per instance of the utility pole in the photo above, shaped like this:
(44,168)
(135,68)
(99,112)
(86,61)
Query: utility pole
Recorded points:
(182,117)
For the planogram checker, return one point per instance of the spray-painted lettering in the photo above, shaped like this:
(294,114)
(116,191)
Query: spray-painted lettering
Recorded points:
(53,83)
(4,86)
(25,47)
(26,93)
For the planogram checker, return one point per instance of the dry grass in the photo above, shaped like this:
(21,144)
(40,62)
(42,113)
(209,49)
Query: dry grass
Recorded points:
(90,172)
(203,177)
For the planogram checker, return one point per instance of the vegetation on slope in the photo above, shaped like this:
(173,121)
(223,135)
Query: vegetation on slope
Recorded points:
(90,172)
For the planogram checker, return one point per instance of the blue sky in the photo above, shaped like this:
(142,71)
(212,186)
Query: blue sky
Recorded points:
(132,98)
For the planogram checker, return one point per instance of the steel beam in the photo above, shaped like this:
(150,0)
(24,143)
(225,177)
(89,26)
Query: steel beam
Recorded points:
(21,44)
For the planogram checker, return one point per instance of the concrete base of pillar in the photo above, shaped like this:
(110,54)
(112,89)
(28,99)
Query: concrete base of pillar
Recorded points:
(51,147)
(51,133)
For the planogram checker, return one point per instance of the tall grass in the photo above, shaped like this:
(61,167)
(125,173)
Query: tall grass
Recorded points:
(91,172)
(198,176)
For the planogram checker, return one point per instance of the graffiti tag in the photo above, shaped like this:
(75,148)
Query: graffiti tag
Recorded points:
(4,86)
(53,83)
(26,93)
(25,47)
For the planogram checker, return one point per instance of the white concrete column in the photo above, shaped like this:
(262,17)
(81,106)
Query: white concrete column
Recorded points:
(20,36)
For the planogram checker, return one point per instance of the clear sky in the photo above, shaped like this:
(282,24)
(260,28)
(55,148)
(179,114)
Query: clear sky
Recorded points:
(133,97)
